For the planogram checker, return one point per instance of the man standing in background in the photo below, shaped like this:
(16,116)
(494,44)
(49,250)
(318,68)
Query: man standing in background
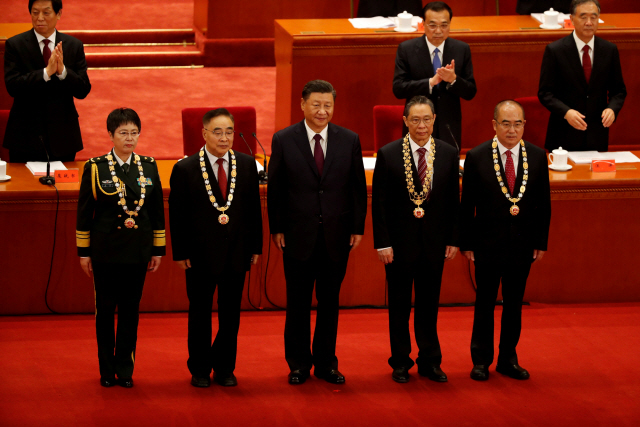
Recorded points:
(439,68)
(43,71)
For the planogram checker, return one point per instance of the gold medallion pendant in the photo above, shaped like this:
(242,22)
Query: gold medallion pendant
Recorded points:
(418,212)
(514,210)
(223,219)
(129,222)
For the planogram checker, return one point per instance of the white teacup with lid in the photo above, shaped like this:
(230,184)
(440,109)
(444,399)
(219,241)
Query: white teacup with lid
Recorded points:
(559,157)
(551,18)
(403,21)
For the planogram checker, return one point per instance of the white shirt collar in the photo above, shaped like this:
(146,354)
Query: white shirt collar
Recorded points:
(311,133)
(514,151)
(415,146)
(213,159)
(433,47)
(119,160)
(581,44)
(52,38)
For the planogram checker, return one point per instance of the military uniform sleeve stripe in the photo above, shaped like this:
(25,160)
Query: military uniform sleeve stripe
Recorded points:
(159,238)
(83,239)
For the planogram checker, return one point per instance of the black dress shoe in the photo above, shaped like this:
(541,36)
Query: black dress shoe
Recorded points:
(480,372)
(433,372)
(200,381)
(298,376)
(226,380)
(514,371)
(108,381)
(400,375)
(125,382)
(332,376)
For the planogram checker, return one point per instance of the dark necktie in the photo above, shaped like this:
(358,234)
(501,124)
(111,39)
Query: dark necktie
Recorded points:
(46,52)
(510,171)
(125,168)
(318,154)
(222,178)
(436,61)
(422,165)
(586,62)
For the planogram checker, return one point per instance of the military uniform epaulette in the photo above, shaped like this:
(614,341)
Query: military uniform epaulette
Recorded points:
(99,159)
(147,159)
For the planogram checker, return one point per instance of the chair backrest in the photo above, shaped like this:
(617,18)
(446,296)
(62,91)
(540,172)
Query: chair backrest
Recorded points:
(244,121)
(387,124)
(4,118)
(537,117)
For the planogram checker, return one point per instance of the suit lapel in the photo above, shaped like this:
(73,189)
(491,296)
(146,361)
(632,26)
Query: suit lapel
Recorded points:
(519,172)
(573,57)
(437,169)
(422,51)
(33,47)
(599,65)
(127,179)
(302,142)
(333,145)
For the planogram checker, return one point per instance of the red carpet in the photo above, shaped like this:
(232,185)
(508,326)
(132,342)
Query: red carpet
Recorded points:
(583,361)
(110,14)
(159,95)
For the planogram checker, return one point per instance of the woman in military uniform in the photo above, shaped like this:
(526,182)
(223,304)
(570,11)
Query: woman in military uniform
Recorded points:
(120,236)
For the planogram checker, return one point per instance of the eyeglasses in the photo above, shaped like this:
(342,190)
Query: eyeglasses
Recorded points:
(124,134)
(507,126)
(434,27)
(218,133)
(416,120)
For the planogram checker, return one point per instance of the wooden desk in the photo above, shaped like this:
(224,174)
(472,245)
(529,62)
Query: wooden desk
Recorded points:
(507,53)
(591,257)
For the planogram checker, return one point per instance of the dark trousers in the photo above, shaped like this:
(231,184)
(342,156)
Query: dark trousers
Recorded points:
(117,285)
(221,355)
(513,269)
(425,275)
(300,276)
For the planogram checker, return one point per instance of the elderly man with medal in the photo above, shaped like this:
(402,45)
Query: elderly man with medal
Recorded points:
(415,206)
(216,235)
(120,236)
(504,224)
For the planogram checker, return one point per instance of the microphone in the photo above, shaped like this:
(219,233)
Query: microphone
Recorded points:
(245,143)
(460,170)
(262,174)
(48,179)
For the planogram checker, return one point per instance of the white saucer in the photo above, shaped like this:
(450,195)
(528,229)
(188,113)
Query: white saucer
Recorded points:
(560,168)
(550,27)
(5,178)
(412,30)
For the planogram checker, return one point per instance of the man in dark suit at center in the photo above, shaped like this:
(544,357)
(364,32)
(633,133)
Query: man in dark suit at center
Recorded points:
(581,84)
(505,213)
(216,235)
(438,67)
(43,71)
(415,206)
(317,201)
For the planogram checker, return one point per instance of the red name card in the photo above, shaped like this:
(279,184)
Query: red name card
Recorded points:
(602,165)
(69,175)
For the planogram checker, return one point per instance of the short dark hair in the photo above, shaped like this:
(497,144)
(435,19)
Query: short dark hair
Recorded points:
(418,100)
(210,115)
(55,4)
(576,3)
(318,86)
(506,102)
(436,6)
(122,116)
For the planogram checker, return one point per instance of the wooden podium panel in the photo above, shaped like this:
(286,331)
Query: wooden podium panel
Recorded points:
(506,51)
(591,258)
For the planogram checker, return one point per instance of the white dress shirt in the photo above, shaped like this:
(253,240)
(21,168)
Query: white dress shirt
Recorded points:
(515,155)
(312,142)
(120,161)
(52,45)
(580,44)
(213,159)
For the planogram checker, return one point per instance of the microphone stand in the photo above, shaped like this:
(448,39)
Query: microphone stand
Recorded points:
(48,179)
(262,174)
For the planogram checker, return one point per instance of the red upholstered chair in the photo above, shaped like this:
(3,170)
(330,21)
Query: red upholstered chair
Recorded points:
(387,124)
(244,121)
(537,117)
(4,118)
